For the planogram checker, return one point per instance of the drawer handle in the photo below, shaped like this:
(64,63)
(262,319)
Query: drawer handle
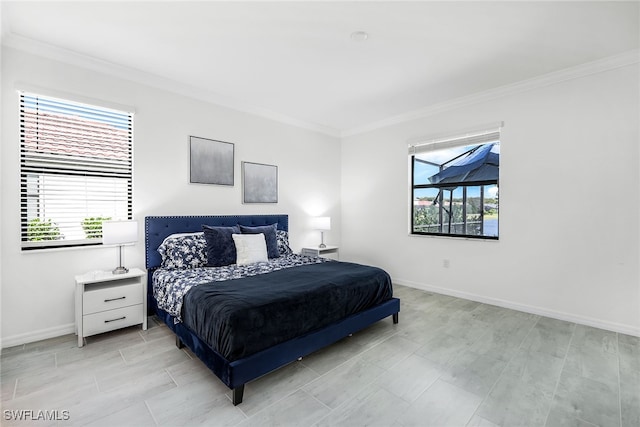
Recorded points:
(114,299)
(115,320)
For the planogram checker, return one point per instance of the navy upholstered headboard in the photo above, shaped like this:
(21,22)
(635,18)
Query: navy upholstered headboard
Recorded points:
(156,228)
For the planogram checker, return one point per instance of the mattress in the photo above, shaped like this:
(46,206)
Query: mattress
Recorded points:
(240,317)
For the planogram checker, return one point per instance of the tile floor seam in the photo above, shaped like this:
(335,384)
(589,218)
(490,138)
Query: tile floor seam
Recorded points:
(268,406)
(347,402)
(184,349)
(310,368)
(95,382)
(337,366)
(462,390)
(533,325)
(319,401)
(331,411)
(399,361)
(171,376)
(15,388)
(439,376)
(323,418)
(586,422)
(475,412)
(146,404)
(564,362)
(429,386)
(619,378)
(248,417)
(330,370)
(322,375)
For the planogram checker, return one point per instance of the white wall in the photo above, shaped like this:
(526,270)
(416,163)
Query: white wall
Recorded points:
(569,196)
(37,288)
(569,204)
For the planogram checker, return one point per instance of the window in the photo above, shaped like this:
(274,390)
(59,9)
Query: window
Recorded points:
(454,186)
(75,171)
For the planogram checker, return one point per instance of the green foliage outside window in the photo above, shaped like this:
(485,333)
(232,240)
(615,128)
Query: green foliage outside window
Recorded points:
(93,226)
(41,229)
(426,217)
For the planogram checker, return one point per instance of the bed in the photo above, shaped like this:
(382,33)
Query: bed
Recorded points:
(244,320)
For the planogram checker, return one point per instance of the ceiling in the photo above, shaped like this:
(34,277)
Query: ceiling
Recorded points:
(296,60)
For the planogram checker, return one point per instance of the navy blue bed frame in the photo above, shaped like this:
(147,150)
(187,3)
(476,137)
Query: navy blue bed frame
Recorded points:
(235,374)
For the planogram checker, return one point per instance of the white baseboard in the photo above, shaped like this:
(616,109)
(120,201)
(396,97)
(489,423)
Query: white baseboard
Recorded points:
(57,331)
(583,320)
(39,335)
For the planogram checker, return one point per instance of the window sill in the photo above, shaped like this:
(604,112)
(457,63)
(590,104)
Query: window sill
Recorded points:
(456,237)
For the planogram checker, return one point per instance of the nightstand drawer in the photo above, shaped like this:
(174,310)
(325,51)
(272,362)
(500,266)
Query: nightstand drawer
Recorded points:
(113,319)
(106,297)
(106,301)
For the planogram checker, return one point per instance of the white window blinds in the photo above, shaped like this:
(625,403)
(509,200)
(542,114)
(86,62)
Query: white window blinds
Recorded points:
(475,137)
(75,170)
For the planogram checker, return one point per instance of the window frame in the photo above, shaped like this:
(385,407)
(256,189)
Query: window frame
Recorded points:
(89,172)
(471,138)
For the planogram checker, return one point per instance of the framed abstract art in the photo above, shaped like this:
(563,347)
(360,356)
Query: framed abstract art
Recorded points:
(211,161)
(259,183)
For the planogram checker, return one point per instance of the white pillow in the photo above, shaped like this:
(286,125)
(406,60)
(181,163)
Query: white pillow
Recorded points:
(250,248)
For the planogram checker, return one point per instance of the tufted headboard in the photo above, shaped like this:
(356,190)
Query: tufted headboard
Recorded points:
(156,228)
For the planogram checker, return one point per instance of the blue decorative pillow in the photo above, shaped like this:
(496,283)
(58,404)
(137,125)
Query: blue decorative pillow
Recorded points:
(283,243)
(221,250)
(186,250)
(269,232)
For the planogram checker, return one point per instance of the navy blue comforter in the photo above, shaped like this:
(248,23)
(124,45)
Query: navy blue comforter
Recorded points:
(241,317)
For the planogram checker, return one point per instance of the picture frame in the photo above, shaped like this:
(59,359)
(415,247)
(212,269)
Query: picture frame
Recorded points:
(211,161)
(259,183)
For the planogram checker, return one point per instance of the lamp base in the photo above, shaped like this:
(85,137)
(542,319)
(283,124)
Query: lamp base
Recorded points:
(322,245)
(120,270)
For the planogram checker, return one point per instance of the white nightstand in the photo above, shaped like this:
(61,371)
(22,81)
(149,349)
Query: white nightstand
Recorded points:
(107,301)
(327,252)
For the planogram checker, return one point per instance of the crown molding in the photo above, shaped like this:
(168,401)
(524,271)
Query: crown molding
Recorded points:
(149,79)
(589,68)
(153,80)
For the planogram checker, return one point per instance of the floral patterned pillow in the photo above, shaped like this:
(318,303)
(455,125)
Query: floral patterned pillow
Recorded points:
(180,251)
(283,243)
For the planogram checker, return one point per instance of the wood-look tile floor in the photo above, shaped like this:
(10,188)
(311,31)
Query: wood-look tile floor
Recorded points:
(449,362)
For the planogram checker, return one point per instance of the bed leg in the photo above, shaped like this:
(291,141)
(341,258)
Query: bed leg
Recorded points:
(238,392)
(179,343)
(395,318)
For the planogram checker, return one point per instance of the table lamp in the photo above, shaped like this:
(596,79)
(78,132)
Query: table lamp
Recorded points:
(119,233)
(321,223)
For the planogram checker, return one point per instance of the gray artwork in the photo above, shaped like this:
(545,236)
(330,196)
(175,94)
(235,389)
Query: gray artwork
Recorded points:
(259,183)
(211,161)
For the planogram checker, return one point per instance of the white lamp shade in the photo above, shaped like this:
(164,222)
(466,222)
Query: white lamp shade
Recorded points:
(321,223)
(119,232)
